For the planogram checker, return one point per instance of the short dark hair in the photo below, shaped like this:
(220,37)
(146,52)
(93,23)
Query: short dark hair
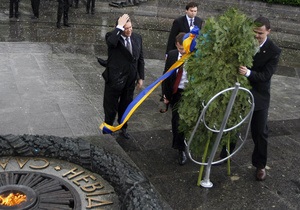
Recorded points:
(262,21)
(191,5)
(179,38)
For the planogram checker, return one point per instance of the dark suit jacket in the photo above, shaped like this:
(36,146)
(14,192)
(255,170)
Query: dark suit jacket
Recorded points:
(180,25)
(264,66)
(167,85)
(123,68)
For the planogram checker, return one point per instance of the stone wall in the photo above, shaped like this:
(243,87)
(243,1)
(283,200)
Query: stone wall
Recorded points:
(152,19)
(285,20)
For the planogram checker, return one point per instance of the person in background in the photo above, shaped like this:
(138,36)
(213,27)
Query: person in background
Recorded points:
(14,9)
(264,66)
(124,71)
(184,24)
(35,4)
(63,10)
(173,87)
(90,4)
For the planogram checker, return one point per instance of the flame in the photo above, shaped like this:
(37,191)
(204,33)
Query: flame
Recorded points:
(12,199)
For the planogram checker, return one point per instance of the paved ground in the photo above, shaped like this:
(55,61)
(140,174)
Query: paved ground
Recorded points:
(46,89)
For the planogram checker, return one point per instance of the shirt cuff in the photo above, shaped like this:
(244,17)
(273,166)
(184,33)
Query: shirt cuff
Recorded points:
(120,27)
(248,73)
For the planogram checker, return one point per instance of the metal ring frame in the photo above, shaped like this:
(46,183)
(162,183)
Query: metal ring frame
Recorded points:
(206,182)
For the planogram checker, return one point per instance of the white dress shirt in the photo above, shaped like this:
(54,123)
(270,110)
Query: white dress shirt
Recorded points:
(184,79)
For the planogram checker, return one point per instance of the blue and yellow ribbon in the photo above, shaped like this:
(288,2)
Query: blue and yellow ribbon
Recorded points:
(189,44)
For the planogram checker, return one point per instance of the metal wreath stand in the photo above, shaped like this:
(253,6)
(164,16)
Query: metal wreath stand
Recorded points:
(206,181)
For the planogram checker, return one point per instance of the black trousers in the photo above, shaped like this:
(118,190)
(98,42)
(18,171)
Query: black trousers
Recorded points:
(259,131)
(90,4)
(35,4)
(63,9)
(14,8)
(178,137)
(116,101)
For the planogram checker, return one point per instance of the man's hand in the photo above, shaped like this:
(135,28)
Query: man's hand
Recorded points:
(139,84)
(243,70)
(166,101)
(123,20)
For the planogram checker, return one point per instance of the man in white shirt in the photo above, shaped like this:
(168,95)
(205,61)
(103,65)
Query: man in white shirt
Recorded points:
(172,88)
(184,24)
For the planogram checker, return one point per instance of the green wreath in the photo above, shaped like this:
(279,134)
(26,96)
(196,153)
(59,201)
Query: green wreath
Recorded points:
(225,43)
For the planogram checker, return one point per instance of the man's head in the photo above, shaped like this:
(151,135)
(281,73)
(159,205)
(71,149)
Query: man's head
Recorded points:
(127,29)
(179,41)
(125,22)
(262,29)
(191,9)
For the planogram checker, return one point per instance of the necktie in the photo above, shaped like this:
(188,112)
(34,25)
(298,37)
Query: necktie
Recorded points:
(178,78)
(128,45)
(191,22)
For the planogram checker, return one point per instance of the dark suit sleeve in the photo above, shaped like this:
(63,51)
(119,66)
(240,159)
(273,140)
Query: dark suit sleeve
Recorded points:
(112,37)
(167,85)
(140,61)
(172,36)
(198,22)
(265,64)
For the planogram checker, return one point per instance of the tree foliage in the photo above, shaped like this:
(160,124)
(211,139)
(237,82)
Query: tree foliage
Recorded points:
(225,43)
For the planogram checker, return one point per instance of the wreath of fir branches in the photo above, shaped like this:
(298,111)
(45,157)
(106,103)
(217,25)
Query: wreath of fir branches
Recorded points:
(225,43)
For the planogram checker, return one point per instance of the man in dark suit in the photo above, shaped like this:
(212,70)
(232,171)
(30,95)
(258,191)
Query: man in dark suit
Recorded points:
(172,89)
(90,4)
(63,10)
(35,4)
(264,66)
(124,70)
(14,8)
(184,24)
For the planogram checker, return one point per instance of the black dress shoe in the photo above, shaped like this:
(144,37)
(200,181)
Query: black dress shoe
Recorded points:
(182,158)
(124,133)
(261,174)
(58,25)
(67,25)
